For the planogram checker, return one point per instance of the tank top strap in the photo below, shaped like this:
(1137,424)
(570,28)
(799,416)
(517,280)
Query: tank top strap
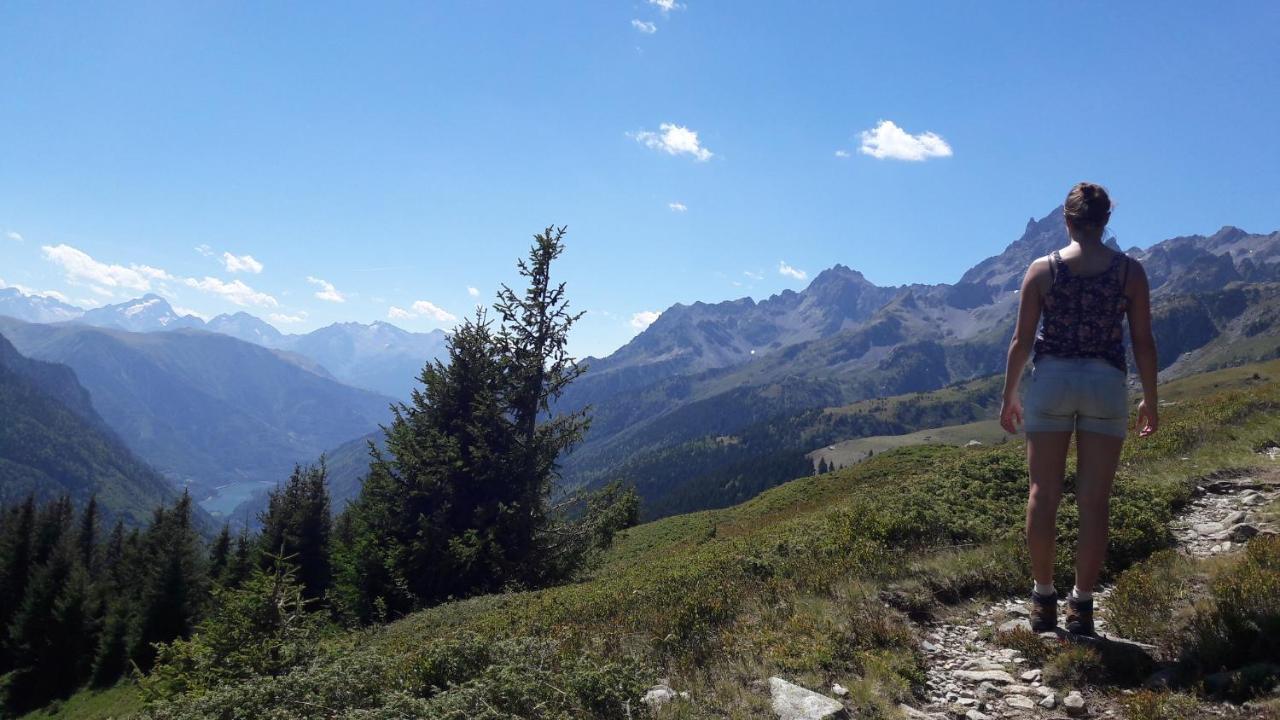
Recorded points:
(1055,266)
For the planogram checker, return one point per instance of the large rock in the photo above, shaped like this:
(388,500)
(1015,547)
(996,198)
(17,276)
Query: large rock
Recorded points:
(1073,703)
(1242,532)
(792,702)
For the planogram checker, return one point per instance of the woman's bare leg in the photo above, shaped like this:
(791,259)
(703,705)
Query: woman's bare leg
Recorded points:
(1046,461)
(1097,456)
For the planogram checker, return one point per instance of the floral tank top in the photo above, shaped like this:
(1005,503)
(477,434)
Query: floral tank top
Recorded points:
(1084,315)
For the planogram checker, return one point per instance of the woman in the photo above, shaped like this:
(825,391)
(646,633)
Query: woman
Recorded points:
(1079,297)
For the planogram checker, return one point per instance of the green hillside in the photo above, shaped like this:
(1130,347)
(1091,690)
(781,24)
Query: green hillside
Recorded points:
(53,444)
(793,582)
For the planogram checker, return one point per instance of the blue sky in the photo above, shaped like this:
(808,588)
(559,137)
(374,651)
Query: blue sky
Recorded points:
(371,158)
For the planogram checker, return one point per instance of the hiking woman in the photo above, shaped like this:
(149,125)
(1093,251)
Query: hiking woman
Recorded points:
(1078,297)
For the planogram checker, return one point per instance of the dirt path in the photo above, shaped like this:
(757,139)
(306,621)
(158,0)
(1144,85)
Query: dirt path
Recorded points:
(971,678)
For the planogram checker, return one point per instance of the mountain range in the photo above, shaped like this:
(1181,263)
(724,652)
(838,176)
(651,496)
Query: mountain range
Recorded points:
(224,417)
(377,356)
(746,382)
(710,404)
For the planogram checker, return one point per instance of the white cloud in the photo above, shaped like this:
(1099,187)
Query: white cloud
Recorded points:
(283,319)
(473,292)
(647,28)
(396,313)
(677,207)
(674,140)
(204,250)
(753,275)
(327,291)
(32,292)
(842,153)
(887,140)
(644,319)
(81,268)
(666,6)
(14,236)
(788,271)
(235,291)
(241,263)
(429,309)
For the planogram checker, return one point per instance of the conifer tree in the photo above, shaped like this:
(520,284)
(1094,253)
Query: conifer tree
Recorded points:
(173,584)
(297,526)
(458,502)
(220,554)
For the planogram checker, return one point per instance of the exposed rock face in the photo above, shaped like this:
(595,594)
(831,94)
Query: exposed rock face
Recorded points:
(792,702)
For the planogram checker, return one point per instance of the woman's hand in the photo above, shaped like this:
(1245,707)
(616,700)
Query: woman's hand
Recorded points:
(1011,412)
(1148,419)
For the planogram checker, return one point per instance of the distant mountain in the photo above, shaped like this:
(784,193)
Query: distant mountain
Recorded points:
(35,308)
(52,443)
(244,326)
(145,314)
(709,371)
(378,356)
(206,409)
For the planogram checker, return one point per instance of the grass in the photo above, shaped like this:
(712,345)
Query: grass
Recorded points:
(121,701)
(792,582)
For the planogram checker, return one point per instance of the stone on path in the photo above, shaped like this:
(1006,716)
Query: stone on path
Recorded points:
(914,714)
(1021,702)
(1209,528)
(995,676)
(975,715)
(1015,624)
(1242,532)
(792,702)
(1031,675)
(1073,703)
(1048,701)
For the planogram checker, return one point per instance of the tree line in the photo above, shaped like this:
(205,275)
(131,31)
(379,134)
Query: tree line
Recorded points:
(464,500)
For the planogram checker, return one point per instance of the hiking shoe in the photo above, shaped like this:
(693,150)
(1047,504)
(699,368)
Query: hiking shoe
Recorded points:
(1079,616)
(1044,612)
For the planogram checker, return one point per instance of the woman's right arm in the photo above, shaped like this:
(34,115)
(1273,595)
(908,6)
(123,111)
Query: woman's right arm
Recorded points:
(1024,337)
(1144,347)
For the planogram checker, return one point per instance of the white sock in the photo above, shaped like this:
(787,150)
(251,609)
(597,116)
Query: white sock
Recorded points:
(1044,590)
(1077,594)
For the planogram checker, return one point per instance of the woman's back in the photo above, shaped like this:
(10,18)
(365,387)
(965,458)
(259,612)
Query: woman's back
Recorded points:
(1084,309)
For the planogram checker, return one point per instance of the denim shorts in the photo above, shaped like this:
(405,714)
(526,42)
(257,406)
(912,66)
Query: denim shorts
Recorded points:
(1086,394)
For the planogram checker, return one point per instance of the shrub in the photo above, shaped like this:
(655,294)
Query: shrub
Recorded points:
(1073,666)
(1147,595)
(1030,645)
(1240,624)
(1151,705)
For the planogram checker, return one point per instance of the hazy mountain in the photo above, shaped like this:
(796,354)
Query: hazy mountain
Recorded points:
(145,314)
(692,377)
(204,408)
(378,356)
(52,443)
(249,328)
(35,308)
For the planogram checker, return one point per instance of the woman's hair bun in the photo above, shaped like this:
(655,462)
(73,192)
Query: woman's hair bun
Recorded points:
(1088,205)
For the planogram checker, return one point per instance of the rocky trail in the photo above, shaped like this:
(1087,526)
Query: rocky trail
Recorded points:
(972,678)
(969,677)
